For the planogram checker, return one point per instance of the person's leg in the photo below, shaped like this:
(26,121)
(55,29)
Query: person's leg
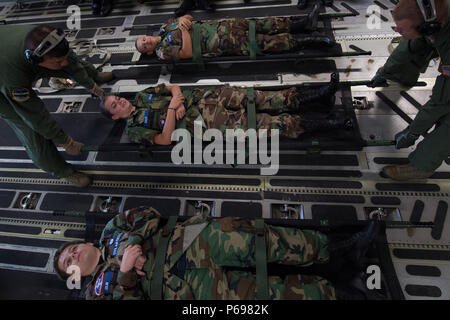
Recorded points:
(230,242)
(42,152)
(275,102)
(300,287)
(288,125)
(272,25)
(432,150)
(426,158)
(277,43)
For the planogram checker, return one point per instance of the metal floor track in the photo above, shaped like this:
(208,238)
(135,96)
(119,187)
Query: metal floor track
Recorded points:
(336,185)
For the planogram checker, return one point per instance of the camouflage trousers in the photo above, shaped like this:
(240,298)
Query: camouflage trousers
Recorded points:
(231,36)
(230,242)
(226,108)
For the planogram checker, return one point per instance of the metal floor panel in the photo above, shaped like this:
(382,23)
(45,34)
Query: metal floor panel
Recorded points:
(347,189)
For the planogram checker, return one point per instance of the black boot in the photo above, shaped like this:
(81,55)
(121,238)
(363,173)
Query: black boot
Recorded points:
(347,292)
(313,40)
(204,4)
(302,4)
(106,8)
(356,289)
(326,124)
(184,8)
(323,95)
(355,248)
(308,23)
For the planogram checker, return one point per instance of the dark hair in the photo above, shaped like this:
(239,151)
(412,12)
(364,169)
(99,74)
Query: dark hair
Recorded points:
(409,9)
(102,106)
(34,38)
(62,273)
(136,45)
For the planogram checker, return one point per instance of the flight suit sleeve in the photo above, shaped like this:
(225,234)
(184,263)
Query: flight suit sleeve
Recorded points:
(32,111)
(75,71)
(438,107)
(407,60)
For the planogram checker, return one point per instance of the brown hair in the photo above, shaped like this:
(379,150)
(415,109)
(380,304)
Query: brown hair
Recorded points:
(62,273)
(409,9)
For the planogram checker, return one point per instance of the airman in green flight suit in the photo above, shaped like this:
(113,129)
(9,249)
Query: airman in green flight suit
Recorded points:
(412,55)
(24,111)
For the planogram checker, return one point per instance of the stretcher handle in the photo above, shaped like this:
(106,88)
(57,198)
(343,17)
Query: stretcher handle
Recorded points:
(103,215)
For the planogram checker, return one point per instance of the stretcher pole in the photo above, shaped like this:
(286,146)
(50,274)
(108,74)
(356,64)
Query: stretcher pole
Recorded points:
(287,222)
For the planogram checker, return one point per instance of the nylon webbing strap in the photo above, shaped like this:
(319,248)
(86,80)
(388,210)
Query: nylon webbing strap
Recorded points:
(251,109)
(262,289)
(252,38)
(196,47)
(161,250)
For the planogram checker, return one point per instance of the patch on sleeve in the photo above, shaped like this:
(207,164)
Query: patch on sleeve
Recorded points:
(20,94)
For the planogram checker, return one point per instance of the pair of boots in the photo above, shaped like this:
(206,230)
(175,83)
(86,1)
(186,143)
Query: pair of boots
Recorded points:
(308,26)
(302,4)
(344,269)
(102,7)
(322,99)
(192,4)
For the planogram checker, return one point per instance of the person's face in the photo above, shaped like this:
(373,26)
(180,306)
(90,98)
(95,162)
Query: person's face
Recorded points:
(120,108)
(83,255)
(55,63)
(407,29)
(147,44)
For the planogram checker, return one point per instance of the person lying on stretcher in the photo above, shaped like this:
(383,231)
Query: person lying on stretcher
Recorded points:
(158,111)
(217,260)
(231,37)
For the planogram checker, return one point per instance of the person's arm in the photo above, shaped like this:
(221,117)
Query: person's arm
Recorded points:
(164,138)
(31,109)
(177,101)
(186,48)
(74,71)
(407,60)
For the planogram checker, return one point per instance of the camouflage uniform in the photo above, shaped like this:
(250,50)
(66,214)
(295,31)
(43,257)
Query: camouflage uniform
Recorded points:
(228,37)
(206,259)
(221,108)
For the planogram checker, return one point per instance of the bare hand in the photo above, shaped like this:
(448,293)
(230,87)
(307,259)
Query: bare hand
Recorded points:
(180,112)
(177,101)
(129,257)
(140,261)
(185,23)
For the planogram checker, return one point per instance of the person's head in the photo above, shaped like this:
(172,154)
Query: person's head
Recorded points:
(79,253)
(147,44)
(54,59)
(409,18)
(115,107)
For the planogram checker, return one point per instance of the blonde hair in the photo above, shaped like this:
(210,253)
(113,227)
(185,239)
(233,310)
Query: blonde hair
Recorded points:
(409,9)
